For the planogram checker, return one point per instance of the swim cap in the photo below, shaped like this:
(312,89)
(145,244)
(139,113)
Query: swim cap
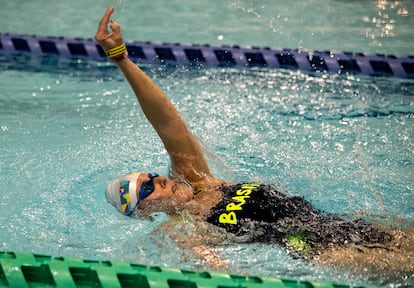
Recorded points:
(122,193)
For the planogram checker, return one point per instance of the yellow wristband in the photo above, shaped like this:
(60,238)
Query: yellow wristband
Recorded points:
(116,51)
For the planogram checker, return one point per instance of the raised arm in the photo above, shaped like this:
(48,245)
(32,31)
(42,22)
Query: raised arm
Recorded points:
(186,154)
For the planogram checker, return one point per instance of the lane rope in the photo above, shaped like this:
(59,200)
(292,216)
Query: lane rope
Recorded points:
(35,270)
(214,55)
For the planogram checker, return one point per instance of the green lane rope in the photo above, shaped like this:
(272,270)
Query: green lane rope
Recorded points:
(33,270)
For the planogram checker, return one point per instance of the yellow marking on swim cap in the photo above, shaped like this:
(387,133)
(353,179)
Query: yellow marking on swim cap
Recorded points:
(127,198)
(124,207)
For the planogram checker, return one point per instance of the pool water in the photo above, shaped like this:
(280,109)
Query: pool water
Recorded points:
(66,129)
(381,26)
(343,143)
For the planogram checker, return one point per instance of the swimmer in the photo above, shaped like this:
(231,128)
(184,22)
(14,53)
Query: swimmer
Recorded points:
(246,212)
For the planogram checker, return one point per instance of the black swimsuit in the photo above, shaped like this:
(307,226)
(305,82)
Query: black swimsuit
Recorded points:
(261,213)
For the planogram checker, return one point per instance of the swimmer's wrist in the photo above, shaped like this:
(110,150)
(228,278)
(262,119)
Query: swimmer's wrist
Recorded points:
(117,53)
(120,58)
(123,62)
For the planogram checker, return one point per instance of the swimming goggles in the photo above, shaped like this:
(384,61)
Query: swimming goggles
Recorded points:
(146,189)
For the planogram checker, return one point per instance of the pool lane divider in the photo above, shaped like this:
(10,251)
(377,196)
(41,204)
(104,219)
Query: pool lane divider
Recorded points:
(214,55)
(35,270)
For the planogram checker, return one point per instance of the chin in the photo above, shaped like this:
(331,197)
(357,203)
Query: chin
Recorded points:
(185,195)
(190,197)
(184,198)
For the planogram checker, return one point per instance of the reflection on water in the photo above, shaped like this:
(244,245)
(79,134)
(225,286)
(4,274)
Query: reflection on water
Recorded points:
(384,264)
(381,26)
(385,22)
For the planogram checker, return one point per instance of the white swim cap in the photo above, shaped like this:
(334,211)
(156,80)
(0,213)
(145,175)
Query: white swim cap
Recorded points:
(122,193)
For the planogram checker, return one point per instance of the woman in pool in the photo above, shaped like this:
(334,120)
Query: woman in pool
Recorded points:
(249,212)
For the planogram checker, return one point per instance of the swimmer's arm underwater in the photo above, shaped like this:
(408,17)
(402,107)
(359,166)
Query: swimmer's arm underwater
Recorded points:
(198,239)
(185,152)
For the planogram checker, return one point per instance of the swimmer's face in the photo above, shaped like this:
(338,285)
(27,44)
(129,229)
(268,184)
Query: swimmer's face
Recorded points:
(164,187)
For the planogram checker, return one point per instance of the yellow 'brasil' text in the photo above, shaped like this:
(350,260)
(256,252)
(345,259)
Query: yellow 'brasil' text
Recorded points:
(237,204)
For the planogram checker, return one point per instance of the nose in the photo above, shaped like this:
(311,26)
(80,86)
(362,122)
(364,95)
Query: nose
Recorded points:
(161,180)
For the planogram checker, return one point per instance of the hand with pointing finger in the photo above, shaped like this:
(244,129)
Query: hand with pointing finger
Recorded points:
(109,39)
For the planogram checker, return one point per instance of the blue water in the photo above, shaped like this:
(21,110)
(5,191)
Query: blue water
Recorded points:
(383,26)
(343,142)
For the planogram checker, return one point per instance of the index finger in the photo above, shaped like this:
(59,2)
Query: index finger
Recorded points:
(103,24)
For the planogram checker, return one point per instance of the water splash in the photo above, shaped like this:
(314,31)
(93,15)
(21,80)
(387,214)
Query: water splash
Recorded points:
(122,6)
(385,22)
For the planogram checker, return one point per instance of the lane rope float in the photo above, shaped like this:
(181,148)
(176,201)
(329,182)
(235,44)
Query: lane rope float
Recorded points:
(214,55)
(35,270)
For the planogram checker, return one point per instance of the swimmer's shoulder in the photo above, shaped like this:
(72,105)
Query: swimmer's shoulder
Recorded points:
(208,185)
(220,186)
(209,192)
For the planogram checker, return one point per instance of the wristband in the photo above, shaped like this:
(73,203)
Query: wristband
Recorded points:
(116,51)
(120,57)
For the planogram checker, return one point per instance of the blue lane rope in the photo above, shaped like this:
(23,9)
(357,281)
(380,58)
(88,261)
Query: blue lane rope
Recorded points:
(214,55)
